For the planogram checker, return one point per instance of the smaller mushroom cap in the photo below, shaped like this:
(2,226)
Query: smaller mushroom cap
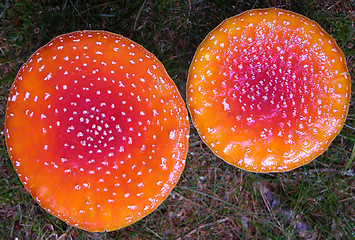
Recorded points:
(268,90)
(96,130)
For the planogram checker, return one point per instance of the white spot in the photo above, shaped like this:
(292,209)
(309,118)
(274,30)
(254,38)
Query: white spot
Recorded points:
(132,207)
(172,134)
(163,163)
(225,105)
(46,96)
(14,97)
(49,76)
(27,95)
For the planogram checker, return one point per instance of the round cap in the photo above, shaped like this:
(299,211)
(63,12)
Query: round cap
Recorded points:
(268,90)
(96,130)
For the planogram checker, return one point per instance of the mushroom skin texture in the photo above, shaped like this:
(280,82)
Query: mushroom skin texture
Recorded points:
(96,130)
(268,90)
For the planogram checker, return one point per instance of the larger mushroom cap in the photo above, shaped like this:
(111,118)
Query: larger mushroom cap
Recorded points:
(268,90)
(96,130)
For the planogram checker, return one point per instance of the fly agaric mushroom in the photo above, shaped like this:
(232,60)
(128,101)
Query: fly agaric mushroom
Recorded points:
(96,130)
(268,90)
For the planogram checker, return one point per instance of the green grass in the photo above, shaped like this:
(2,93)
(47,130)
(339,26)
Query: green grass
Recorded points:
(212,200)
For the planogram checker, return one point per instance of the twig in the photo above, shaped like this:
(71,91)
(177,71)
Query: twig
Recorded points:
(193,144)
(156,234)
(302,228)
(138,15)
(204,226)
(270,208)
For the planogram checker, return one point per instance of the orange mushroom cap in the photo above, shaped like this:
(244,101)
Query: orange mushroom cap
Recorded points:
(96,130)
(268,90)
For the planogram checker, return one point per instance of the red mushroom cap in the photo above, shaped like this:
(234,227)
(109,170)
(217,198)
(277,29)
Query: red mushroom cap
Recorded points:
(96,130)
(268,90)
